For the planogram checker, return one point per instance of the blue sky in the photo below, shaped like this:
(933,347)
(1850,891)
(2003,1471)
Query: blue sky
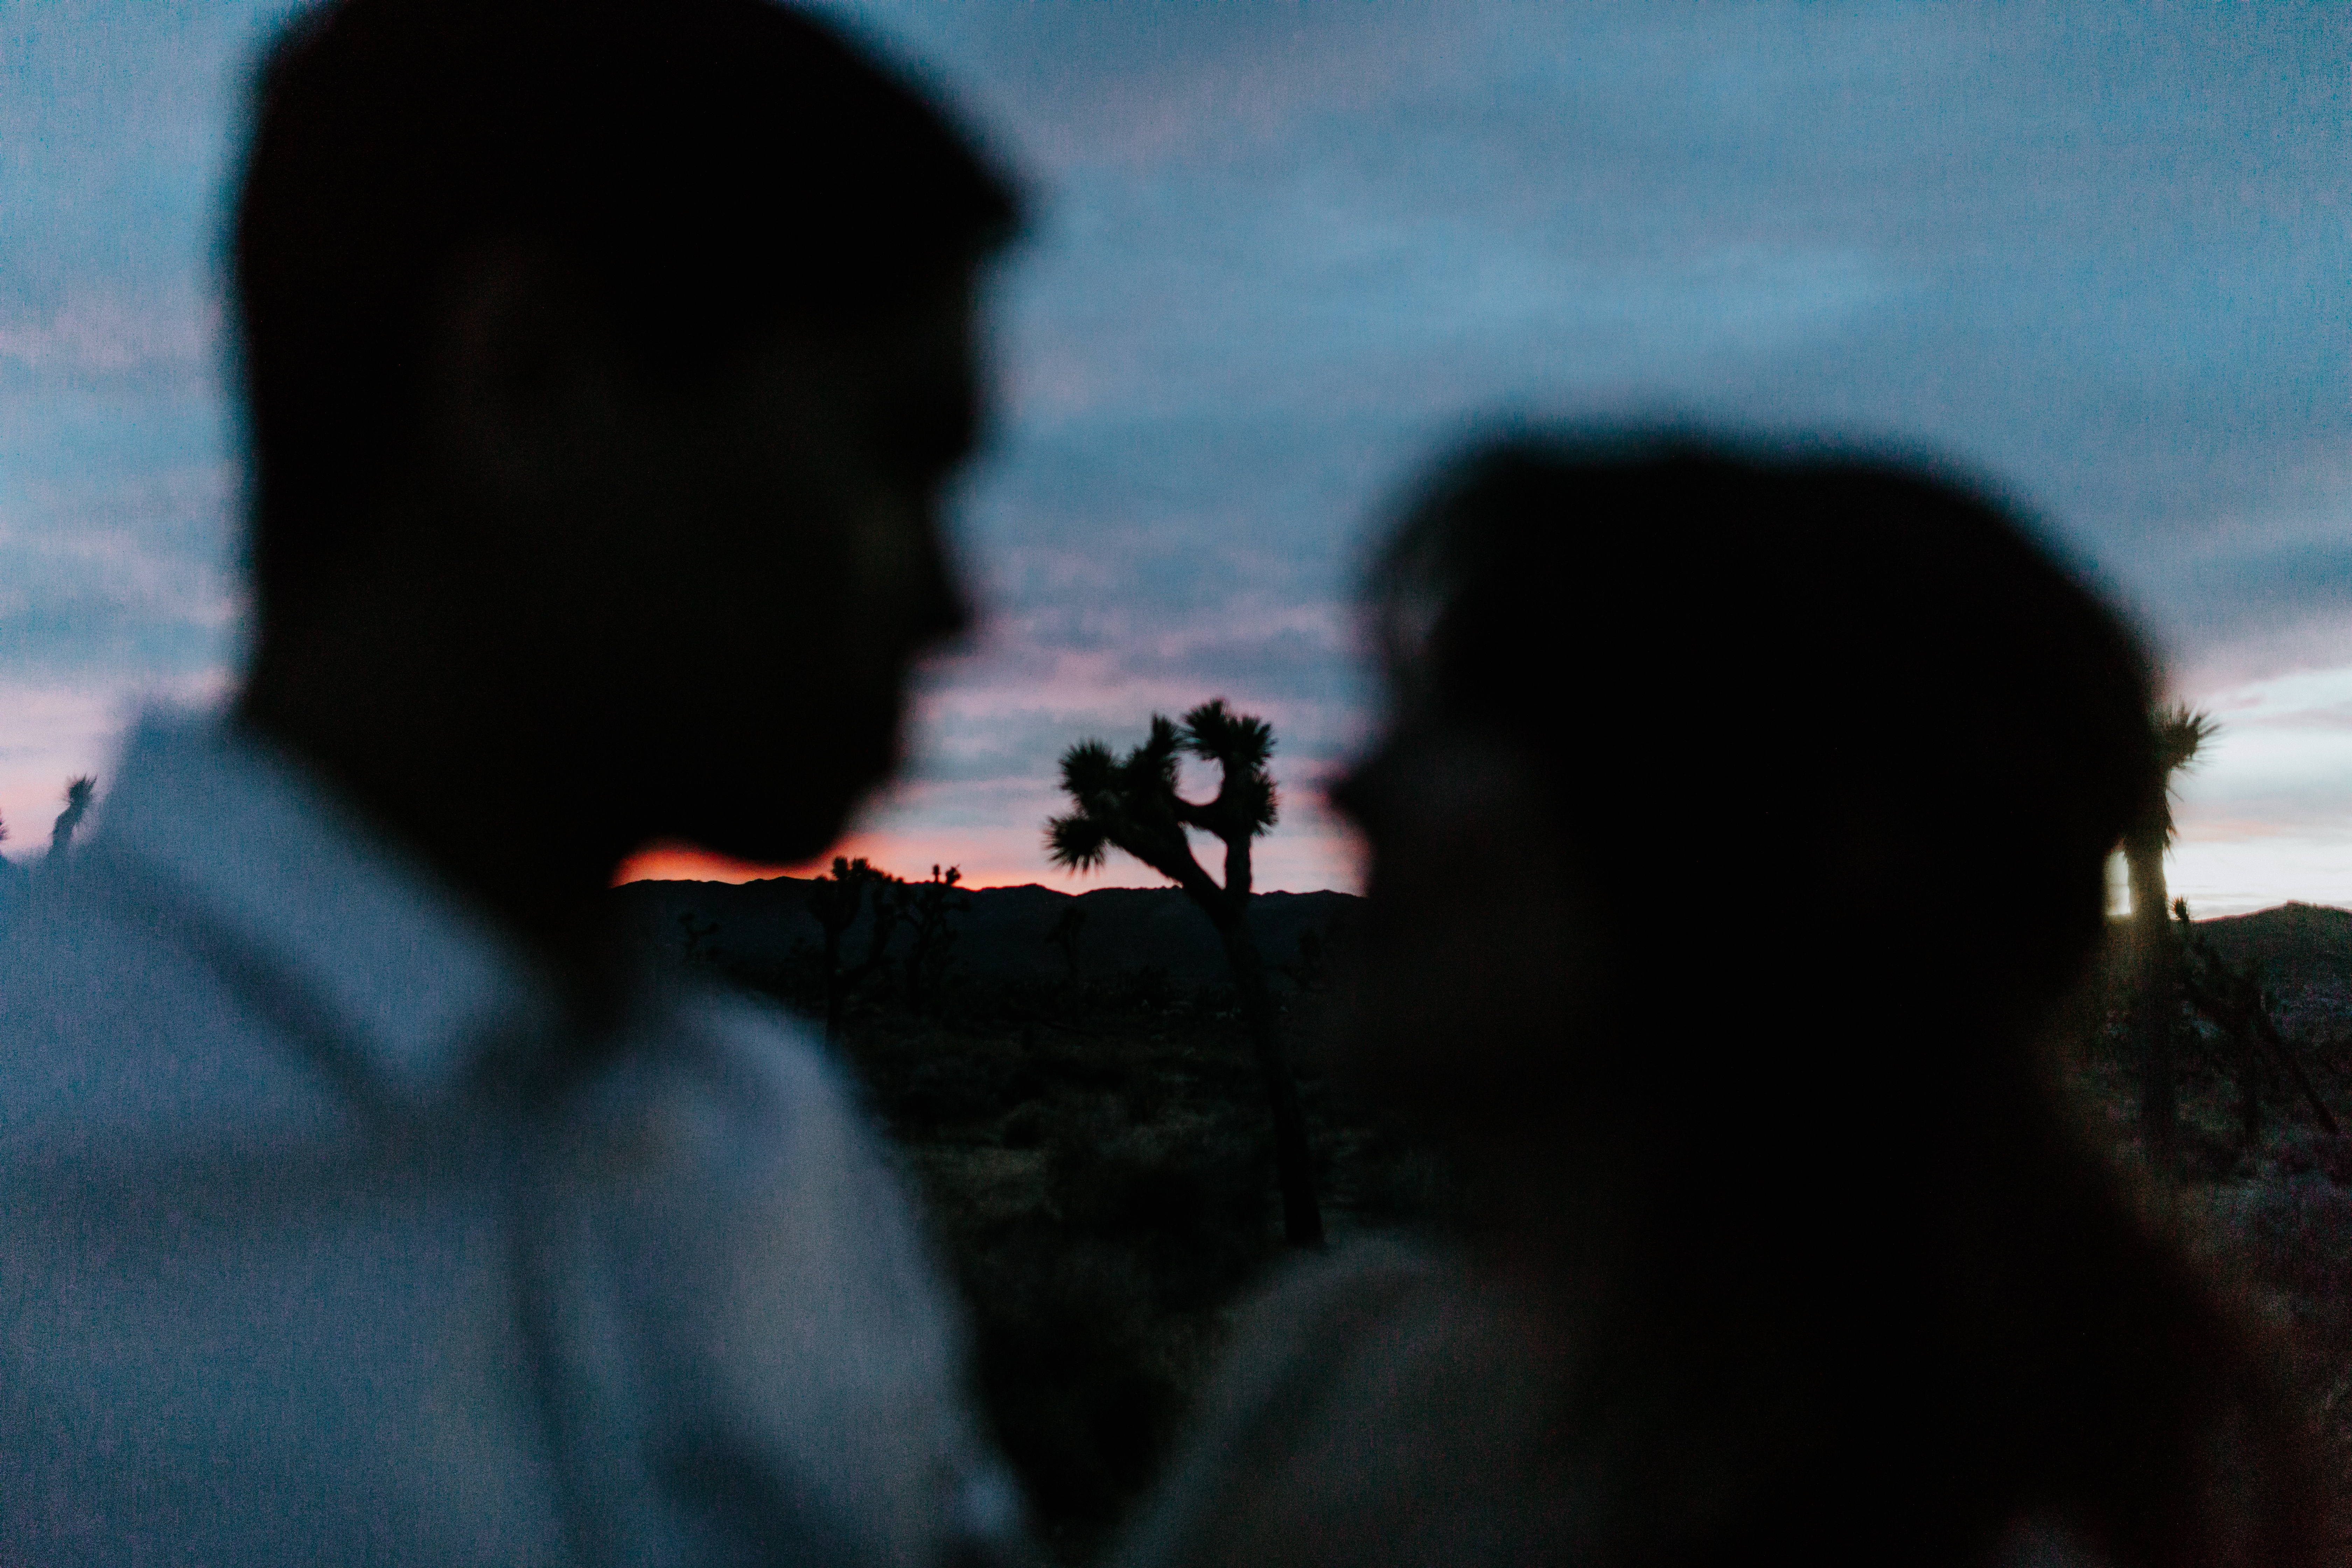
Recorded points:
(1284,251)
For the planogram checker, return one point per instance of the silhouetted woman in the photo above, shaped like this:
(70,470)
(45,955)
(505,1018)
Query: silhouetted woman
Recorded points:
(1739,831)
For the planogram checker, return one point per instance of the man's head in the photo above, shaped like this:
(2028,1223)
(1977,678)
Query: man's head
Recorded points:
(617,350)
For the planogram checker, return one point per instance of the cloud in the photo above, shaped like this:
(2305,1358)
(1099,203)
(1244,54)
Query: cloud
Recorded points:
(106,333)
(119,581)
(987,723)
(2235,876)
(1142,87)
(2263,812)
(1287,251)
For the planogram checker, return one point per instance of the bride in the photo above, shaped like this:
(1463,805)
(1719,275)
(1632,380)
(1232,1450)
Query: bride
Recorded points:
(1738,828)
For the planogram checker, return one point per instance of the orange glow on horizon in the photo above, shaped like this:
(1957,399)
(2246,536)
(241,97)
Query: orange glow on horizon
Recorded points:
(996,859)
(684,863)
(688,863)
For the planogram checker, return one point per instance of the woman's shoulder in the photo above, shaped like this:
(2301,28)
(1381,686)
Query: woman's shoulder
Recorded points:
(1374,1400)
(2044,1543)
(1319,1309)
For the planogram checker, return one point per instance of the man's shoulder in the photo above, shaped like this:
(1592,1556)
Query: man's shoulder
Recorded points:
(110,1021)
(766,1107)
(818,1311)
(768,1065)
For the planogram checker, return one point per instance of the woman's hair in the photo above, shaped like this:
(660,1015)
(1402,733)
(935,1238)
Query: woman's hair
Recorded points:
(1726,664)
(1840,750)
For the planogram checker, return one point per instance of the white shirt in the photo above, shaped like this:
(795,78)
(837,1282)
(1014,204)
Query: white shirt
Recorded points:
(301,1261)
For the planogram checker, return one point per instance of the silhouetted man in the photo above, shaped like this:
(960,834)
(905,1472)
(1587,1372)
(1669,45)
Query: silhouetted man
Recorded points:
(604,359)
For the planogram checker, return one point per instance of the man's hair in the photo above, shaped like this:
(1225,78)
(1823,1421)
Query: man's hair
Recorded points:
(708,167)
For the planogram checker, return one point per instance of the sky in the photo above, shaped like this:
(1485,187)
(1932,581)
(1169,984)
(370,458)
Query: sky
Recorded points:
(1283,253)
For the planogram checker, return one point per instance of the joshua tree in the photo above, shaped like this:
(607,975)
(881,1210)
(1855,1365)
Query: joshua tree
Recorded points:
(834,900)
(696,931)
(1063,933)
(2180,735)
(892,900)
(78,795)
(1132,804)
(1305,971)
(932,902)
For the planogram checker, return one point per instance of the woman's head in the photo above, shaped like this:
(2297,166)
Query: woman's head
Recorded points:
(1683,733)
(1739,815)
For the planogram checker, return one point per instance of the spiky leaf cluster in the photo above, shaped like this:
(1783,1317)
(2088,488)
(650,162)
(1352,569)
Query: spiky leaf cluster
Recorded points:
(834,900)
(2181,734)
(1240,744)
(79,793)
(1132,804)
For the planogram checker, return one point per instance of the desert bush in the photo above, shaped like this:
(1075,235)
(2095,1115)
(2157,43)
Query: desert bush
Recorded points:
(2284,1230)
(1067,1352)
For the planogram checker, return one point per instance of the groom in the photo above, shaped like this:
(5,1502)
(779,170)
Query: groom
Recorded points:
(359,1201)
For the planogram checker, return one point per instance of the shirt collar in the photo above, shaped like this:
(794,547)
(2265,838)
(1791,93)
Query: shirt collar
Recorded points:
(293,874)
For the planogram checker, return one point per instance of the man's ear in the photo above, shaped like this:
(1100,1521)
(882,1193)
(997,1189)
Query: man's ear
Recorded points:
(520,385)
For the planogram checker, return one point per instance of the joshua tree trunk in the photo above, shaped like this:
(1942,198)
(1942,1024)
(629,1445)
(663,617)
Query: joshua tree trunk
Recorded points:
(1134,804)
(1302,1221)
(833,902)
(2179,733)
(2155,992)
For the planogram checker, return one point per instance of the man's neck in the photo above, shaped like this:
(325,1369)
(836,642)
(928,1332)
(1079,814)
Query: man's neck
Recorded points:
(488,806)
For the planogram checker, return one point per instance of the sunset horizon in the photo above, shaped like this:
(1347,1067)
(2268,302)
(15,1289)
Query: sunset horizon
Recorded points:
(1279,264)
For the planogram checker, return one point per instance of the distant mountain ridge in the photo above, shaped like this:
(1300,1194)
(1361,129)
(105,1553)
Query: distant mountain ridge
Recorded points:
(1002,935)
(2297,947)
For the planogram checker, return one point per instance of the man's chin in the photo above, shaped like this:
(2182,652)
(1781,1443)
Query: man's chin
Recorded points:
(797,845)
(778,799)
(778,832)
